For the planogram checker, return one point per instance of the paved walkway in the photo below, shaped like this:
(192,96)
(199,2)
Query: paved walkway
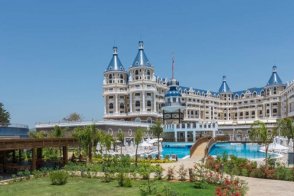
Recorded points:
(257,186)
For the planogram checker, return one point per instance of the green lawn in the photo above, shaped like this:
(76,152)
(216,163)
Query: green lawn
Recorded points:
(86,186)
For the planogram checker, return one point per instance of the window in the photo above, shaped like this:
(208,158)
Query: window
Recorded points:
(149,103)
(137,104)
(122,106)
(111,106)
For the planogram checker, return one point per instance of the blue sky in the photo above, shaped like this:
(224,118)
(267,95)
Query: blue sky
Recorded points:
(53,53)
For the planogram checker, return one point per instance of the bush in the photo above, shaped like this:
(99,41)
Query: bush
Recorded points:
(244,172)
(158,172)
(148,188)
(170,173)
(58,177)
(182,172)
(201,185)
(167,191)
(124,180)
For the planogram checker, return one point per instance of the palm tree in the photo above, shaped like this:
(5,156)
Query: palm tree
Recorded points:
(108,140)
(286,127)
(157,130)
(259,132)
(121,137)
(138,139)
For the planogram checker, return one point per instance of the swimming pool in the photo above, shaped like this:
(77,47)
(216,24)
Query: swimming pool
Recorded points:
(181,149)
(242,150)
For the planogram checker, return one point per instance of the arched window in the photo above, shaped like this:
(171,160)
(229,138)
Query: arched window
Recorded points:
(138,119)
(149,103)
(110,131)
(137,104)
(254,94)
(110,78)
(111,106)
(149,120)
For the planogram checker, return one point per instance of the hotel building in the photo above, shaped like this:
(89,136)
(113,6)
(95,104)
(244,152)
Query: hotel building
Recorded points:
(137,94)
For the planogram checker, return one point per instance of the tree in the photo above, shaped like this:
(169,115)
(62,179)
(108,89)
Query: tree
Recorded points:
(286,128)
(157,130)
(259,132)
(57,132)
(73,117)
(121,137)
(138,139)
(37,134)
(86,137)
(108,140)
(4,116)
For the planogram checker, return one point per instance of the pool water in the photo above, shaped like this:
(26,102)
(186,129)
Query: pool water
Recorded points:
(181,149)
(242,150)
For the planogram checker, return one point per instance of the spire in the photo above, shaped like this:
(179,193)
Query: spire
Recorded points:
(115,64)
(274,79)
(173,68)
(141,58)
(224,88)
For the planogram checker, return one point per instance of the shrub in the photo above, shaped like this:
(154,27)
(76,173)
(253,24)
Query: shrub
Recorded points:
(200,185)
(244,172)
(167,191)
(182,172)
(148,188)
(37,173)
(107,177)
(233,186)
(192,175)
(158,172)
(58,177)
(170,173)
(124,180)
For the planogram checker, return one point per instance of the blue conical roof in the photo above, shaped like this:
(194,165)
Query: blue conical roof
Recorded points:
(115,64)
(274,79)
(141,58)
(224,88)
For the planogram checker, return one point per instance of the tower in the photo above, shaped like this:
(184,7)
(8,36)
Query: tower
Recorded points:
(115,88)
(142,88)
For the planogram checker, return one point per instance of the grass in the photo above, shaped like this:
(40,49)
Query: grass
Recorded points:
(87,186)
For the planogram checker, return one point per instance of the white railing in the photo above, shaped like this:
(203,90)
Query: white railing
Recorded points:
(14,125)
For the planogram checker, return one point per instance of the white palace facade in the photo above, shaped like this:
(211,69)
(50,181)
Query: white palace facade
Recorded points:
(137,94)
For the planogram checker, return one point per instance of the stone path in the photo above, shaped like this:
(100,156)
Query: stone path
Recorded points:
(257,186)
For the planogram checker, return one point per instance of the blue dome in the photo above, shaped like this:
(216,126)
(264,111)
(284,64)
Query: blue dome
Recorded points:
(115,64)
(224,88)
(173,92)
(274,79)
(141,58)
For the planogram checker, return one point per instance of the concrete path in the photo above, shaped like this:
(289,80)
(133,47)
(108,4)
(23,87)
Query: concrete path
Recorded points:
(257,186)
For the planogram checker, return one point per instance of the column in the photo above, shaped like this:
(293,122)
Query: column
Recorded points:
(19,155)
(213,133)
(34,159)
(116,104)
(143,94)
(39,157)
(186,136)
(105,105)
(13,156)
(194,136)
(154,102)
(131,102)
(176,136)
(270,110)
(65,154)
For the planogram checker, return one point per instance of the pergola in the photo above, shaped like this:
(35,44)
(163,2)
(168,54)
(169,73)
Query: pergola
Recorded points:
(36,146)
